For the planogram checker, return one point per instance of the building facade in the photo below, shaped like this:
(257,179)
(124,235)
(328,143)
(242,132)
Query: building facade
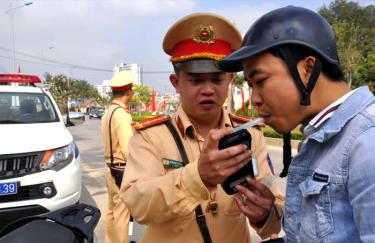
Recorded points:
(104,90)
(136,69)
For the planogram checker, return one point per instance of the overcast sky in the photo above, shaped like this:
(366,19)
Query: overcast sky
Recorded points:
(81,36)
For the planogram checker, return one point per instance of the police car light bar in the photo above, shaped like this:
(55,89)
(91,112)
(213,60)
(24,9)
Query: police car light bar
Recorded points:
(19,78)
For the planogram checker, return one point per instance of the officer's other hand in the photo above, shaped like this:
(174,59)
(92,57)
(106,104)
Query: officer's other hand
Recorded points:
(216,165)
(255,202)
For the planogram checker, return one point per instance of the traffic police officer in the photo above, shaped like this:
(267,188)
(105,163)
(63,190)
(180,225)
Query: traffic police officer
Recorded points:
(116,131)
(174,171)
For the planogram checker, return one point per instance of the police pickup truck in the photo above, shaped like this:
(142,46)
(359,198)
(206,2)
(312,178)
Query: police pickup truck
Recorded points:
(39,161)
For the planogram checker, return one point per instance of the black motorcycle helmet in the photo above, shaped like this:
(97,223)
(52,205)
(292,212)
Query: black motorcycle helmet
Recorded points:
(288,26)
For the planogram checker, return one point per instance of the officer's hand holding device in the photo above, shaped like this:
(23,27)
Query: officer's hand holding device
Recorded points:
(240,135)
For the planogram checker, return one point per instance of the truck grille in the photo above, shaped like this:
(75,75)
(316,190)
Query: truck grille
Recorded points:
(16,165)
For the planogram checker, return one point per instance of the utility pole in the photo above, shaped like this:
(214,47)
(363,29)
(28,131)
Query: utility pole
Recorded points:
(11,12)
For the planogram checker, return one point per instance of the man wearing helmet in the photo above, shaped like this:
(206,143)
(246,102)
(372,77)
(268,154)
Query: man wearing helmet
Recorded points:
(289,58)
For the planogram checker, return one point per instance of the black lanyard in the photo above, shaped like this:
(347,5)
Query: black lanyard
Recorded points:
(199,216)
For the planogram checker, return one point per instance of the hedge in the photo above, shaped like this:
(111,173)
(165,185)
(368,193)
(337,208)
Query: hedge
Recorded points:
(269,132)
(137,118)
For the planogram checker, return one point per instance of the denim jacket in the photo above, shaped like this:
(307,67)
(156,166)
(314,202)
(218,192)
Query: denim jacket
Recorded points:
(331,182)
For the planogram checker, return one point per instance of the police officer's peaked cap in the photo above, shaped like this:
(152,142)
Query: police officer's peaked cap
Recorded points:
(288,25)
(197,41)
(123,80)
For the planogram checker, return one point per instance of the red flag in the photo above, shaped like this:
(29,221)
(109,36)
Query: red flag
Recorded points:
(19,69)
(243,101)
(153,101)
(249,105)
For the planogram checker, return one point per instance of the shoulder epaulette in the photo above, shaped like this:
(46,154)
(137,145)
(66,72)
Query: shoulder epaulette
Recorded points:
(150,122)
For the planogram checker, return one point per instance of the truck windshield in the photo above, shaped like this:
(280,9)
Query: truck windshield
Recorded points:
(26,108)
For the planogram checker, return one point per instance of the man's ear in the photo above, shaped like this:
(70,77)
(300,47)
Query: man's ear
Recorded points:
(305,67)
(174,81)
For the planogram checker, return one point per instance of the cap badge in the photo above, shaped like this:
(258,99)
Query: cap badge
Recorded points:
(204,34)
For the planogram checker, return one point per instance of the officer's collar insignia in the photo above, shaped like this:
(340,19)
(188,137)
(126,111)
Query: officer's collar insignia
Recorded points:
(190,131)
(180,126)
(204,34)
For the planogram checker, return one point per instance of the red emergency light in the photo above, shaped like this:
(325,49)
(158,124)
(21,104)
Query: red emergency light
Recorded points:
(19,78)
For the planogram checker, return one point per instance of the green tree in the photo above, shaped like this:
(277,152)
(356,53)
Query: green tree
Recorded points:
(141,96)
(62,88)
(81,89)
(239,80)
(58,86)
(367,70)
(354,27)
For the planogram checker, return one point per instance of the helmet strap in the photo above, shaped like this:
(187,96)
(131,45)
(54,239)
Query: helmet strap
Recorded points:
(289,59)
(287,56)
(287,154)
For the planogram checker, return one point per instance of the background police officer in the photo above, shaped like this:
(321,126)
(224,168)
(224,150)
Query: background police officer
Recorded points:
(116,131)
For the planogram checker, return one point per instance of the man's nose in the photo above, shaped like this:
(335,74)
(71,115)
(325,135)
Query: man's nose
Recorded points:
(207,88)
(256,99)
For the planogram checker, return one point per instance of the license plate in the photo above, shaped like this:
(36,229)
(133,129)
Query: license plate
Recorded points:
(9,188)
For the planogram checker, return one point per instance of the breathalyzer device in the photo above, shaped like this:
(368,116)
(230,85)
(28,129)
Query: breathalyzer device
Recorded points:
(240,135)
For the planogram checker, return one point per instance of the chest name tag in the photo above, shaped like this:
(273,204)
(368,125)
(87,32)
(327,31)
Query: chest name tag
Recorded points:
(320,177)
(170,163)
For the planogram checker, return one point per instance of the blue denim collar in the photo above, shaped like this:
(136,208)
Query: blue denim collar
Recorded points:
(353,105)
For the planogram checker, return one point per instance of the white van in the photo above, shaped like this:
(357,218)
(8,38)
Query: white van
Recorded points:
(39,161)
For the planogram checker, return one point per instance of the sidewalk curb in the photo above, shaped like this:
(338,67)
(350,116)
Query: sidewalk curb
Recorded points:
(278,142)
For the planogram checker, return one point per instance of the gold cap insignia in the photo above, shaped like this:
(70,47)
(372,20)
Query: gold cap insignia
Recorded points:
(204,34)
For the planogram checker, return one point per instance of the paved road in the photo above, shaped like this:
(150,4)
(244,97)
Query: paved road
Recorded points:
(88,139)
